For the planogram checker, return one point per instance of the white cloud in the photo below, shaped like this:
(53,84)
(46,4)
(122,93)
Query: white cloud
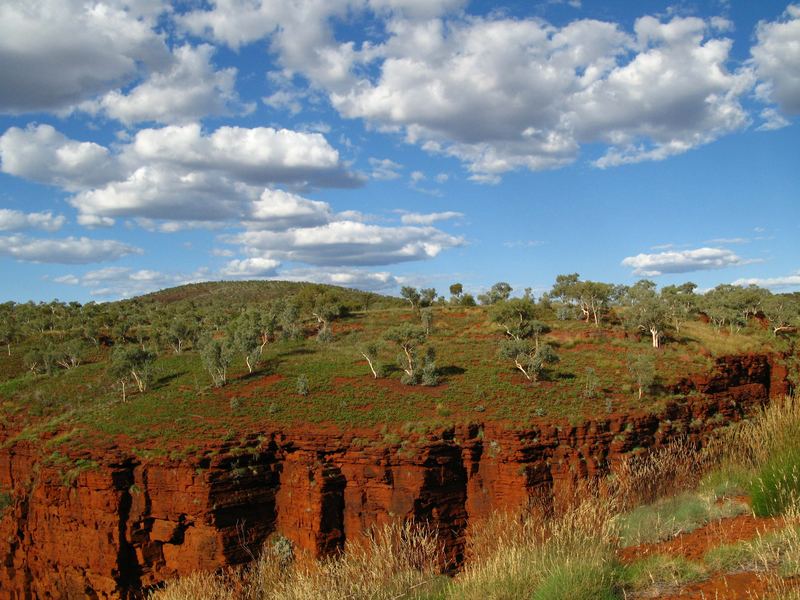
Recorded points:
(14,220)
(524,243)
(776,58)
(787,281)
(174,172)
(684,261)
(42,154)
(347,243)
(661,91)
(258,155)
(124,282)
(384,169)
(250,267)
(429,218)
(187,90)
(70,250)
(277,209)
(772,120)
(57,53)
(374,281)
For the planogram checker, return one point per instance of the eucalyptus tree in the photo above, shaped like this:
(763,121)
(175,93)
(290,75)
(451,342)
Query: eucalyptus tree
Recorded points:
(529,359)
(217,356)
(642,367)
(409,339)
(647,311)
(593,298)
(456,290)
(782,311)
(132,362)
(681,302)
(499,292)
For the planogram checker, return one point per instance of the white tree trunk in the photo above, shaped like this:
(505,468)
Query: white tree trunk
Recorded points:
(369,362)
(656,336)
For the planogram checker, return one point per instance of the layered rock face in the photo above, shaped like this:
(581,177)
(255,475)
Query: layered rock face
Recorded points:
(126,525)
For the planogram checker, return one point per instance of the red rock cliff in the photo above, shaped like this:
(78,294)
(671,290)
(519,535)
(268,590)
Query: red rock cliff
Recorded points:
(128,524)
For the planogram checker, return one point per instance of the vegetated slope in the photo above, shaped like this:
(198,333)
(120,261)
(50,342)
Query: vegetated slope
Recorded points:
(300,376)
(189,475)
(240,294)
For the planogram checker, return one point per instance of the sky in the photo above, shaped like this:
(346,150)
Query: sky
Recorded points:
(381,143)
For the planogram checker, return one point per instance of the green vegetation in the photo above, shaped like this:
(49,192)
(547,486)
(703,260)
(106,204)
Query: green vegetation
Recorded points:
(165,367)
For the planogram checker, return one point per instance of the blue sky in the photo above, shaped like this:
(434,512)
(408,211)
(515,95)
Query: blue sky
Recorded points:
(379,143)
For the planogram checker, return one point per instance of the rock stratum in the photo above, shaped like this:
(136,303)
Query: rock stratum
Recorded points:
(127,524)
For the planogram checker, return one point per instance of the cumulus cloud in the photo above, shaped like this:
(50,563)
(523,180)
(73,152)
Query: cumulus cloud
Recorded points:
(176,172)
(362,279)
(58,53)
(42,154)
(429,218)
(659,91)
(70,250)
(655,91)
(124,282)
(15,220)
(778,283)
(384,169)
(250,267)
(347,243)
(776,57)
(684,261)
(277,209)
(188,90)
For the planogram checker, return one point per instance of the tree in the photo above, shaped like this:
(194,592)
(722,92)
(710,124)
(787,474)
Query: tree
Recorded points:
(427,296)
(69,354)
(411,295)
(782,311)
(723,306)
(531,361)
(642,367)
(408,338)
(426,316)
(133,362)
(216,356)
(180,331)
(246,338)
(592,297)
(370,353)
(455,292)
(681,302)
(647,311)
(497,293)
(8,332)
(515,316)
(467,300)
(325,311)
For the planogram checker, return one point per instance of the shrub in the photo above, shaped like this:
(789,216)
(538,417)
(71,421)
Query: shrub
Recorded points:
(302,385)
(777,485)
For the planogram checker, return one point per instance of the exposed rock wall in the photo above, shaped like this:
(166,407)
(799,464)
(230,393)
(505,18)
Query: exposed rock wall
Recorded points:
(127,524)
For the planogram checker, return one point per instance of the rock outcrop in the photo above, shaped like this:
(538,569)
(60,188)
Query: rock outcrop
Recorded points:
(126,524)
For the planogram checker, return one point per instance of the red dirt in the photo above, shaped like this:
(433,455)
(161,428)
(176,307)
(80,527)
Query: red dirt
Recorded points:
(731,586)
(695,544)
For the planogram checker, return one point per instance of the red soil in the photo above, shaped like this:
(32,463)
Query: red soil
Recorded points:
(695,544)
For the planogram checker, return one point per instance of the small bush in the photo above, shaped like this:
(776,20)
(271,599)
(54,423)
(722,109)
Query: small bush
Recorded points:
(302,385)
(660,570)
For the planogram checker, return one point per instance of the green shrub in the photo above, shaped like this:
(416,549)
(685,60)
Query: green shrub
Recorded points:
(578,581)
(302,385)
(660,570)
(777,484)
